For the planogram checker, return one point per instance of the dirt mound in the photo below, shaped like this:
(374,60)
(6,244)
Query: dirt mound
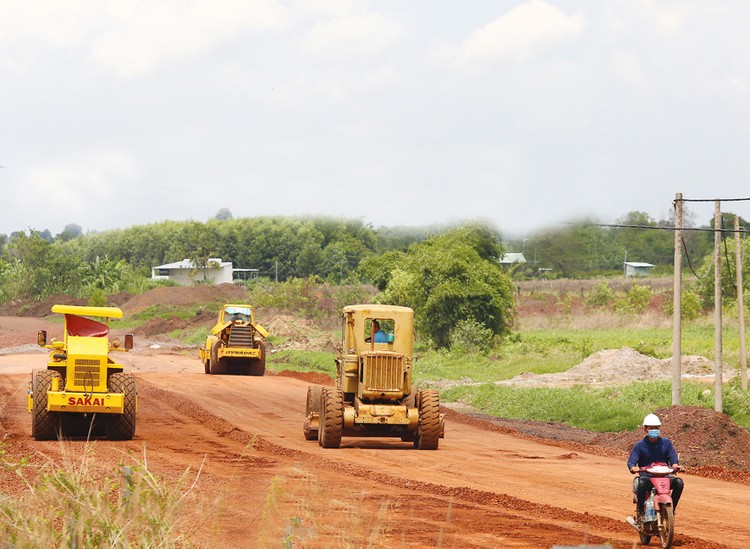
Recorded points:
(617,367)
(159,326)
(702,437)
(318,378)
(38,309)
(296,333)
(185,295)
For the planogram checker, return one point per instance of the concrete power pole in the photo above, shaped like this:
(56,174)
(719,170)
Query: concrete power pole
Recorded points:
(740,302)
(677,301)
(718,381)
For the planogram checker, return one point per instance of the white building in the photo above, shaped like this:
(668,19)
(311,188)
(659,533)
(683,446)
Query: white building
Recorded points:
(636,268)
(511,258)
(185,272)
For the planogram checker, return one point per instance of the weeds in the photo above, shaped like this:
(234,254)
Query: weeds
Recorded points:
(76,505)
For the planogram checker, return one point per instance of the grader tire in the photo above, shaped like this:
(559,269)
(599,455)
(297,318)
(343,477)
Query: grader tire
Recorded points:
(428,431)
(217,365)
(331,418)
(45,425)
(312,405)
(410,402)
(122,426)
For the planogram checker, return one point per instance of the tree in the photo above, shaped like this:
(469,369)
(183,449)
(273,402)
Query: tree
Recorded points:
(224,214)
(453,277)
(203,245)
(70,232)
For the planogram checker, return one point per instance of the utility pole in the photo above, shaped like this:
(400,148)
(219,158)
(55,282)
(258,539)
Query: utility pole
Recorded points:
(677,302)
(277,270)
(718,381)
(740,302)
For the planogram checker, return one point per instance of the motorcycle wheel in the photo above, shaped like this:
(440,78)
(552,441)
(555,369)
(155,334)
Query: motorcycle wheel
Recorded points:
(645,538)
(666,526)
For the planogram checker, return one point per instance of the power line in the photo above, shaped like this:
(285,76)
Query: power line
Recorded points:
(712,200)
(658,227)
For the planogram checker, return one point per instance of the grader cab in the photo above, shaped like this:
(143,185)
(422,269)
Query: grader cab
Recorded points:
(83,391)
(374,395)
(236,344)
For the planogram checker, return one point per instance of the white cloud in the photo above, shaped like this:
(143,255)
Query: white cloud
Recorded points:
(59,23)
(523,33)
(352,36)
(75,185)
(667,20)
(147,34)
(381,77)
(627,67)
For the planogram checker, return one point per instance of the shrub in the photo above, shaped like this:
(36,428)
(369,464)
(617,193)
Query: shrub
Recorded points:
(635,300)
(692,307)
(601,295)
(470,336)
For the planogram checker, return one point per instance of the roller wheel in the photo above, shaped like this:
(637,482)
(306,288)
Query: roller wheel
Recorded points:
(312,405)
(45,425)
(666,526)
(122,426)
(258,365)
(217,365)
(428,431)
(331,418)
(207,366)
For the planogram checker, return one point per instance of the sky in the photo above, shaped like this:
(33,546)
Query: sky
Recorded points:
(526,114)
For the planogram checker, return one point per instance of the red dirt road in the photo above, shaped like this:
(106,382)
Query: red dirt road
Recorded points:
(260,482)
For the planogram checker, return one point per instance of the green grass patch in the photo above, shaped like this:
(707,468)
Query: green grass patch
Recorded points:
(302,361)
(185,312)
(597,409)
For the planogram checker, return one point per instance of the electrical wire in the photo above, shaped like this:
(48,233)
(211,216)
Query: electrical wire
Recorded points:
(690,263)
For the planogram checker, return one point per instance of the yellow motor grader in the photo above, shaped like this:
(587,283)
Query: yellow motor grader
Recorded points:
(374,395)
(83,391)
(235,345)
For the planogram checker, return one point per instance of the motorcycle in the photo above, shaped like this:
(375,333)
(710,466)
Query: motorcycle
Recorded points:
(658,516)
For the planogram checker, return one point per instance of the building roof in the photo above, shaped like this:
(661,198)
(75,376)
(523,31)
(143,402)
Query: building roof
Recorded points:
(188,264)
(513,258)
(637,264)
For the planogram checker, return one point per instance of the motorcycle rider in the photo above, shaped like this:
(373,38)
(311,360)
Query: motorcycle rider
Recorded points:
(653,448)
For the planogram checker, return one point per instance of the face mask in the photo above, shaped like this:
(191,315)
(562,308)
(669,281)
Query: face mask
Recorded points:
(653,433)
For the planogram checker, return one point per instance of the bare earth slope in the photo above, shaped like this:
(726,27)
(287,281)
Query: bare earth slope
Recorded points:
(483,487)
(491,483)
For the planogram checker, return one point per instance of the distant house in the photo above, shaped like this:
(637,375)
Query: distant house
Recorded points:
(512,258)
(635,268)
(243,275)
(185,272)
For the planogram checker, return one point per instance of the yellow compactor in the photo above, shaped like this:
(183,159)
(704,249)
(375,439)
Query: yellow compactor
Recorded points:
(83,391)
(236,344)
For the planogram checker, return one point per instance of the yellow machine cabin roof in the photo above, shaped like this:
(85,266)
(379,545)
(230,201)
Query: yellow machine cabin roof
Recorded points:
(108,312)
(357,328)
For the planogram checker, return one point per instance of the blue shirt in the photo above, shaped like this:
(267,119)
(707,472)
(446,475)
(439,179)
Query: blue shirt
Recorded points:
(645,452)
(381,337)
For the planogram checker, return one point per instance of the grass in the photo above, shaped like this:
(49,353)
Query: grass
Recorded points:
(552,345)
(77,505)
(302,361)
(596,409)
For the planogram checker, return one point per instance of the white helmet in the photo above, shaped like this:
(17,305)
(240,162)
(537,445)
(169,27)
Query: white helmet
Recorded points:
(651,420)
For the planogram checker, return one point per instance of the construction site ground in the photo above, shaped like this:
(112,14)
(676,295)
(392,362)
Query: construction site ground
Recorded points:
(492,483)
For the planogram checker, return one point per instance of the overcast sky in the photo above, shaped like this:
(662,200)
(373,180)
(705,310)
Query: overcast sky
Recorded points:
(395,112)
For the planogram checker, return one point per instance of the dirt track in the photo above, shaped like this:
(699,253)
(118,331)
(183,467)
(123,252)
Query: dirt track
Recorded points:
(482,488)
